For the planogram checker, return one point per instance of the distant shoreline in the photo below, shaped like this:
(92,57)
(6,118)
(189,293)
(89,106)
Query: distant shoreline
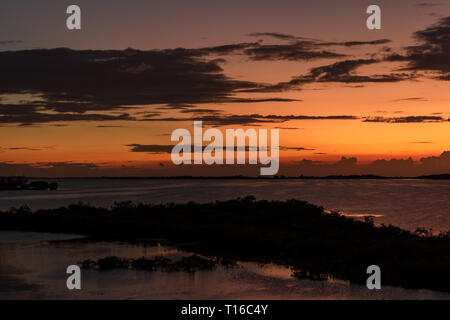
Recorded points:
(445,176)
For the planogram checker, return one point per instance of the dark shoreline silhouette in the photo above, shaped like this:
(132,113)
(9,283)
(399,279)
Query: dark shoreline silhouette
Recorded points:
(191,264)
(315,244)
(445,176)
(21,183)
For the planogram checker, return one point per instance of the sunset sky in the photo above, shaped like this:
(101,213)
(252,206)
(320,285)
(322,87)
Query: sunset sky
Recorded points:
(104,100)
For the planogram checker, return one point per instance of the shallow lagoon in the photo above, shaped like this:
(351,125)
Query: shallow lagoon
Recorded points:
(33,266)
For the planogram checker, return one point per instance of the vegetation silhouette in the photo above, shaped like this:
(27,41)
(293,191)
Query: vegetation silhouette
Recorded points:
(314,243)
(21,183)
(191,264)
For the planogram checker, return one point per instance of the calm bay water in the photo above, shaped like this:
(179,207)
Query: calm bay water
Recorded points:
(406,203)
(32,266)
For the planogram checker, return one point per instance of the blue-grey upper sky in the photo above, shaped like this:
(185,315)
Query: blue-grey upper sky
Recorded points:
(113,24)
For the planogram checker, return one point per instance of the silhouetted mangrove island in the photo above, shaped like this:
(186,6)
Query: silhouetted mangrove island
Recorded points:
(191,264)
(20,183)
(315,244)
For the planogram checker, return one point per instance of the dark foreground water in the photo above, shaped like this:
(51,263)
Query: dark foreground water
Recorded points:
(32,266)
(406,203)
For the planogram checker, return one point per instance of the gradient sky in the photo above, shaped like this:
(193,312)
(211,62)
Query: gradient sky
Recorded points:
(311,68)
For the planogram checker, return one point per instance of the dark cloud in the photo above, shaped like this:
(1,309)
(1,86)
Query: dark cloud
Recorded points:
(279,36)
(76,107)
(396,57)
(101,126)
(73,83)
(201,111)
(383,167)
(282,86)
(345,162)
(104,85)
(421,99)
(184,109)
(303,117)
(339,68)
(158,149)
(147,114)
(31,114)
(28,115)
(224,49)
(295,148)
(356,43)
(437,163)
(151,148)
(287,128)
(315,42)
(407,119)
(178,107)
(23,148)
(301,50)
(251,119)
(392,167)
(343,166)
(433,52)
(341,71)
